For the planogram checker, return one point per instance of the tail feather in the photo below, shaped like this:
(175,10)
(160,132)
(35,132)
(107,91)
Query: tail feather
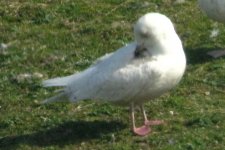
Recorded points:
(57,81)
(58,98)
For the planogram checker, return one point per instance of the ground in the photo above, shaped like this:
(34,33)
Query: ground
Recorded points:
(41,39)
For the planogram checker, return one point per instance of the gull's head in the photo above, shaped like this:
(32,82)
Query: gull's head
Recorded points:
(151,29)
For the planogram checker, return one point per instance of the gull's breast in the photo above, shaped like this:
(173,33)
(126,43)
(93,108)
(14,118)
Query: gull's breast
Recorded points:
(151,80)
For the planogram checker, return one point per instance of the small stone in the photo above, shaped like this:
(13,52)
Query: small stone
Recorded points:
(36,102)
(3,46)
(207,93)
(146,4)
(23,77)
(171,112)
(171,142)
(214,33)
(82,144)
(113,138)
(79,107)
(37,75)
(179,2)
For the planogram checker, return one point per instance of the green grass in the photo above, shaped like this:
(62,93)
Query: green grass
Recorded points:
(57,38)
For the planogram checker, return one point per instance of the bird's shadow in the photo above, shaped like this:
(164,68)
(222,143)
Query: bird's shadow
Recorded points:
(198,55)
(72,132)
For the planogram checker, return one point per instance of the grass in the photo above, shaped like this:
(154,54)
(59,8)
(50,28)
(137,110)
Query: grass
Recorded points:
(55,38)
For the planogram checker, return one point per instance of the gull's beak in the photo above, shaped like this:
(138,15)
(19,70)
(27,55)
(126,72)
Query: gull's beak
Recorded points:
(139,50)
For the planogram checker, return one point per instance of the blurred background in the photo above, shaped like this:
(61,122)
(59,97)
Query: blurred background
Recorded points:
(41,39)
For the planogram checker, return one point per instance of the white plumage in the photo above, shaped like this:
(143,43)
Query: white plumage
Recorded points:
(215,9)
(144,69)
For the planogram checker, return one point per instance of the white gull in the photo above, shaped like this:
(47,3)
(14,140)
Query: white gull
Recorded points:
(215,9)
(134,74)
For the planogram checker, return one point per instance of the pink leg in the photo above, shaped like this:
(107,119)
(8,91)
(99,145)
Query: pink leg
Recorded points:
(143,130)
(150,122)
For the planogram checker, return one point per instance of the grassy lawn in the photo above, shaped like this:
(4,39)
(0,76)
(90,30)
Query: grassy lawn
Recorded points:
(49,38)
